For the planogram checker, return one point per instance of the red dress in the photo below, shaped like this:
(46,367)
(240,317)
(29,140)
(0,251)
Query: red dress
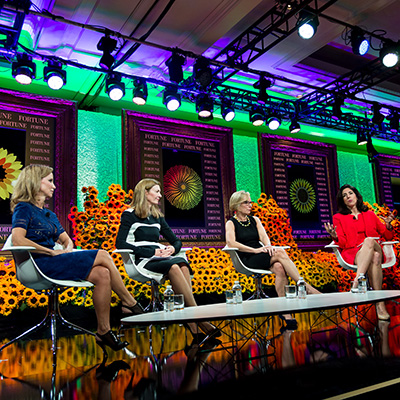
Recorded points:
(351,232)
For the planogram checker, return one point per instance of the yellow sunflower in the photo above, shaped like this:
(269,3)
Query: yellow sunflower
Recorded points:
(12,169)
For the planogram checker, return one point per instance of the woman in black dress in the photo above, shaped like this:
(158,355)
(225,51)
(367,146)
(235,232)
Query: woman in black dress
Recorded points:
(245,233)
(140,229)
(34,225)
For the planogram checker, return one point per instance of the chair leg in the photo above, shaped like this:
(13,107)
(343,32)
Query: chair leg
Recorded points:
(259,292)
(155,303)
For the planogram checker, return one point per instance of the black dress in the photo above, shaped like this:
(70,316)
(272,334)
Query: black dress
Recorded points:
(248,235)
(141,235)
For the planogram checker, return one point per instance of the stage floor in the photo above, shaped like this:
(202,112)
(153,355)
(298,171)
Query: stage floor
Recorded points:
(337,352)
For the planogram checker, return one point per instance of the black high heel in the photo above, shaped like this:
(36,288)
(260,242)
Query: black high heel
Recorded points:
(110,339)
(133,310)
(291,324)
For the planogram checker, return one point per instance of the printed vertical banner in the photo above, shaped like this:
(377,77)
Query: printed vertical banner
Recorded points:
(302,177)
(187,160)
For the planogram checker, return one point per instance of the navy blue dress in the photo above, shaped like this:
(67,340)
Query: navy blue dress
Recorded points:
(43,227)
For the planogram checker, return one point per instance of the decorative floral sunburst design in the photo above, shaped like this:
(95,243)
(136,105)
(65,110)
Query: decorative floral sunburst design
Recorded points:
(12,169)
(302,195)
(183,187)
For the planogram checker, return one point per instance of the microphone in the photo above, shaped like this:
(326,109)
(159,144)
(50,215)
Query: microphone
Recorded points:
(47,214)
(354,217)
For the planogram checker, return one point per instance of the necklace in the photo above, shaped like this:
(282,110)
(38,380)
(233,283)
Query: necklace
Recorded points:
(243,223)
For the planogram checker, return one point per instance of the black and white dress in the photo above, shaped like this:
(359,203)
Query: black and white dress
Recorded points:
(142,235)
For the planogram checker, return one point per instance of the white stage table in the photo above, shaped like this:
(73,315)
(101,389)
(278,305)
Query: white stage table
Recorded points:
(262,307)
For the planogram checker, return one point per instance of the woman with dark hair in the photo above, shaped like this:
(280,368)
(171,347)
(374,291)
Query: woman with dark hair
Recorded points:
(356,229)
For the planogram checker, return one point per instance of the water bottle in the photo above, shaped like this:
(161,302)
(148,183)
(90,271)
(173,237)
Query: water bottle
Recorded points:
(168,299)
(301,289)
(237,293)
(362,284)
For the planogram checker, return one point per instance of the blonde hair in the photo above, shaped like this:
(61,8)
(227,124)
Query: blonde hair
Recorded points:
(236,199)
(139,201)
(27,186)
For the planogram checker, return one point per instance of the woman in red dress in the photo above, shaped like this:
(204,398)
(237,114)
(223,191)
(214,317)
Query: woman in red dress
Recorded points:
(357,231)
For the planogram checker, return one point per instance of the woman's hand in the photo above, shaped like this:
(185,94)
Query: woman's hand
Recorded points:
(59,251)
(331,230)
(169,250)
(388,221)
(266,249)
(161,253)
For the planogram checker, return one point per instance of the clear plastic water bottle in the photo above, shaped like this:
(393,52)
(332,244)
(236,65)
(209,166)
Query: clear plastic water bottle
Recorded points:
(168,299)
(362,284)
(237,293)
(301,289)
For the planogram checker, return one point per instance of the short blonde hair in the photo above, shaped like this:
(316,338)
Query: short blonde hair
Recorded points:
(27,186)
(236,199)
(139,201)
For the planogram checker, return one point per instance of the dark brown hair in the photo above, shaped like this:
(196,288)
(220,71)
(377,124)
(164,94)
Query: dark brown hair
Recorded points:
(342,208)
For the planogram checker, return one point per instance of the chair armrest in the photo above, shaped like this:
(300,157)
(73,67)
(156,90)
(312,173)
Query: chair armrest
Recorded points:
(19,248)
(390,242)
(226,248)
(281,247)
(332,245)
(123,251)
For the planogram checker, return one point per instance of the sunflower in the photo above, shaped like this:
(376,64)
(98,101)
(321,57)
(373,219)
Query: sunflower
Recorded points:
(11,170)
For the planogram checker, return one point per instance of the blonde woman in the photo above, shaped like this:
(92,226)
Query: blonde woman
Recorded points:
(143,222)
(36,226)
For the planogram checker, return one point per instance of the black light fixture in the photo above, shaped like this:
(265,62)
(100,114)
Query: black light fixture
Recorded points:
(377,117)
(227,110)
(256,115)
(294,126)
(361,137)
(174,64)
(115,88)
(24,69)
(107,45)
(338,102)
(273,122)
(262,85)
(372,153)
(389,53)
(307,23)
(139,92)
(393,121)
(54,75)
(171,98)
(202,72)
(359,43)
(204,105)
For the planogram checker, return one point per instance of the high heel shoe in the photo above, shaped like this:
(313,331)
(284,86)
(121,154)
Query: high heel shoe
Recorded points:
(109,372)
(133,310)
(110,339)
(291,324)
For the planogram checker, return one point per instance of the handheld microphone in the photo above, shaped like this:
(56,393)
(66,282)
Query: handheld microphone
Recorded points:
(47,214)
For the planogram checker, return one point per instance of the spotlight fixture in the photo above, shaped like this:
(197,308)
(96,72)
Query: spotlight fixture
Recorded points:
(359,43)
(114,87)
(361,137)
(204,105)
(273,122)
(257,116)
(174,64)
(107,45)
(393,121)
(139,92)
(336,107)
(307,23)
(372,153)
(202,72)
(227,111)
(171,99)
(294,127)
(24,69)
(262,85)
(389,53)
(54,75)
(377,117)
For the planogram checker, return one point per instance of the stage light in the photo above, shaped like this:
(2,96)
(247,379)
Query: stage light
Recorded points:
(393,121)
(361,137)
(262,85)
(359,43)
(372,153)
(204,105)
(389,53)
(257,116)
(338,102)
(171,99)
(202,72)
(377,117)
(294,127)
(54,75)
(114,87)
(307,24)
(139,92)
(24,69)
(273,122)
(107,45)
(174,64)
(227,111)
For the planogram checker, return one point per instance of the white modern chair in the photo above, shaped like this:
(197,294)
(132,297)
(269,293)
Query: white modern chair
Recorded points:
(257,274)
(387,249)
(28,273)
(137,272)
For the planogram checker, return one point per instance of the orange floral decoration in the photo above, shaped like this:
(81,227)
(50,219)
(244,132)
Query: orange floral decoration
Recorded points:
(96,228)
